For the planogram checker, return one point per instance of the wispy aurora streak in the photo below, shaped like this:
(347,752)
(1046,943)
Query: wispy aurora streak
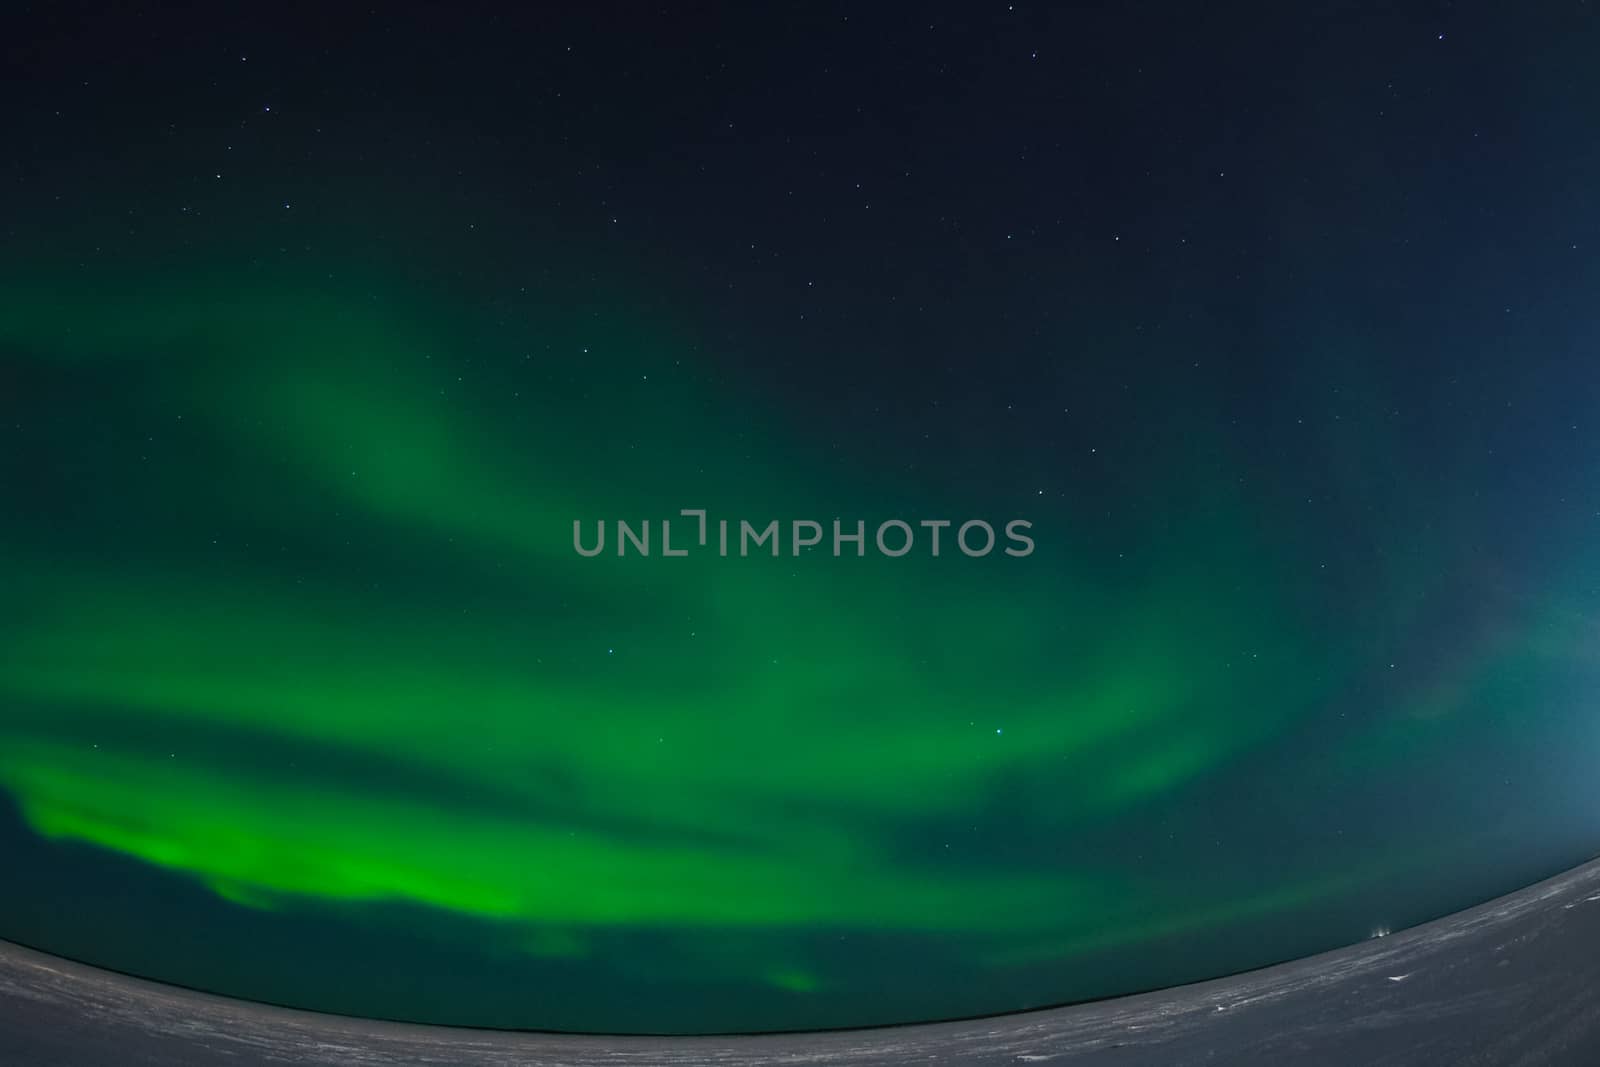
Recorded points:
(294,614)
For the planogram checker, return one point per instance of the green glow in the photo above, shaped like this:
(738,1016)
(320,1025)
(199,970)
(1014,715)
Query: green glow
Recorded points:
(340,653)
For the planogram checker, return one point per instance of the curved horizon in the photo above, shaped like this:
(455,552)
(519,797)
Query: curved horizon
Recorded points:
(1592,862)
(1252,1017)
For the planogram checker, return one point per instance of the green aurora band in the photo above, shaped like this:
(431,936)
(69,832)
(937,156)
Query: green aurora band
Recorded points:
(294,614)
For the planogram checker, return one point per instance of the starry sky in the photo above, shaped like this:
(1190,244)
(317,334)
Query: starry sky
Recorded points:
(320,328)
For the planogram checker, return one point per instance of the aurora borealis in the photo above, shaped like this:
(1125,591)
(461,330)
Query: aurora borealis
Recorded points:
(306,697)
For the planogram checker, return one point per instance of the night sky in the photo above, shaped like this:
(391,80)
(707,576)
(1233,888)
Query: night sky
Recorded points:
(320,328)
